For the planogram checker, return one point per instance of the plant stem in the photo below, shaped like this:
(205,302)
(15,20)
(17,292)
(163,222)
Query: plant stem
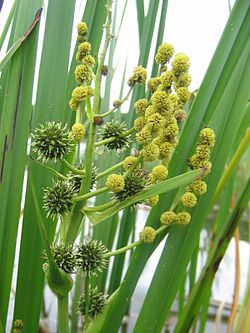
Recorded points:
(100,207)
(109,170)
(72,169)
(90,194)
(132,245)
(116,108)
(63,315)
(234,161)
(101,62)
(86,317)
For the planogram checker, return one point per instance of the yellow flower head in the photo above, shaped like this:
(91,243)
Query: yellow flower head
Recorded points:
(189,199)
(139,123)
(155,122)
(198,187)
(82,28)
(150,111)
(147,235)
(117,103)
(115,183)
(183,218)
(79,93)
(144,136)
(73,104)
(139,76)
(168,217)
(82,74)
(164,53)
(160,172)
(180,63)
(141,105)
(129,161)
(171,130)
(154,83)
(196,162)
(77,132)
(183,94)
(89,60)
(167,79)
(150,152)
(207,137)
(183,80)
(160,99)
(83,50)
(203,151)
(153,201)
(165,149)
(180,115)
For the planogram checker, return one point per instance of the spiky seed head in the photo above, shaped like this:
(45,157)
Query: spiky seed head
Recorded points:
(57,199)
(139,76)
(141,105)
(97,300)
(153,201)
(150,152)
(77,132)
(180,63)
(73,104)
(139,123)
(135,182)
(168,217)
(207,137)
(51,142)
(115,183)
(115,129)
(189,199)
(82,29)
(183,218)
(147,235)
(90,257)
(79,93)
(82,74)
(154,83)
(160,172)
(64,257)
(164,53)
(198,187)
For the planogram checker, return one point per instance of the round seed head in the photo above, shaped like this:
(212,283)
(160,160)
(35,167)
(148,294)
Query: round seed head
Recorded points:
(90,257)
(168,217)
(183,218)
(57,199)
(97,300)
(51,142)
(189,199)
(64,257)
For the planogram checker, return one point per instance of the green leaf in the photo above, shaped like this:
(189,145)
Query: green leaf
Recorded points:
(162,187)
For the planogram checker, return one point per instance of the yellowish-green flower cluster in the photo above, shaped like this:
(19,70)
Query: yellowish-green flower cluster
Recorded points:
(77,132)
(83,72)
(170,217)
(139,76)
(115,183)
(147,235)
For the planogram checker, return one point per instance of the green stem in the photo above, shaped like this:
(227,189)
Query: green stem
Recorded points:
(90,194)
(132,245)
(59,175)
(63,314)
(72,169)
(109,170)
(234,161)
(100,207)
(133,166)
(86,317)
(116,108)
(101,62)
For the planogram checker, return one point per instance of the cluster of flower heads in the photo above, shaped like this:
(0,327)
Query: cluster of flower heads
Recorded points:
(88,257)
(17,326)
(197,188)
